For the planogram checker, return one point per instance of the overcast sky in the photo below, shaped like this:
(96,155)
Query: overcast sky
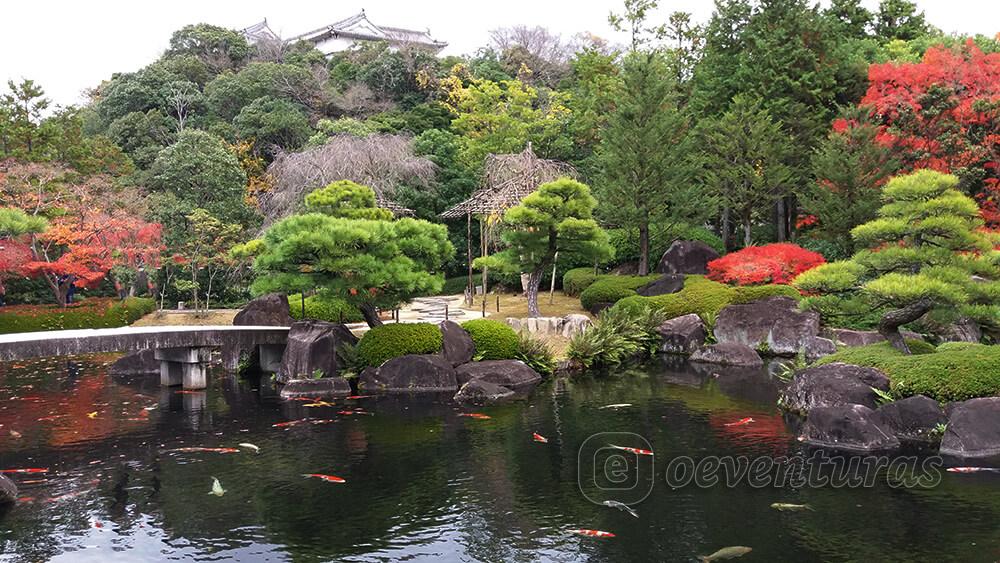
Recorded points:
(70,45)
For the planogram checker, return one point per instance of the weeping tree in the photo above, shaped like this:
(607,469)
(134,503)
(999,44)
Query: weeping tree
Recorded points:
(925,252)
(556,219)
(346,247)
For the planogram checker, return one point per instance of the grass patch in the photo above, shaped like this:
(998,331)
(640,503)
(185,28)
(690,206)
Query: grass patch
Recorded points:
(515,305)
(93,312)
(954,371)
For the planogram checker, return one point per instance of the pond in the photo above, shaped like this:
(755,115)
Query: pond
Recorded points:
(423,483)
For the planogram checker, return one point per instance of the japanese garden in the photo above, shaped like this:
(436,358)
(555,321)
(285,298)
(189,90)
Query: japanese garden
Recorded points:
(705,289)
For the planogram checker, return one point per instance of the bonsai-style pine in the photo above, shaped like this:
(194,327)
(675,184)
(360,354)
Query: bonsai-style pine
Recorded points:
(555,219)
(346,247)
(926,251)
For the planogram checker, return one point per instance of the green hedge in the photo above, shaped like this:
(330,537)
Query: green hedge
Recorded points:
(494,340)
(610,289)
(457,285)
(955,371)
(398,339)
(705,298)
(578,279)
(324,308)
(90,313)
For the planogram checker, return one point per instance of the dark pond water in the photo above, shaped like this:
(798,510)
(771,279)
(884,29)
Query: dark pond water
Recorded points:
(425,484)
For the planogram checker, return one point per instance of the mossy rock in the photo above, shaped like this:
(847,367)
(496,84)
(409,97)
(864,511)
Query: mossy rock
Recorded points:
(705,298)
(389,341)
(494,340)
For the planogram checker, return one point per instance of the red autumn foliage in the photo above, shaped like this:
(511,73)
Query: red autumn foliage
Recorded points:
(771,263)
(943,113)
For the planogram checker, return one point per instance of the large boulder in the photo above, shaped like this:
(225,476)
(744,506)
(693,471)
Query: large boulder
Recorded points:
(851,338)
(312,348)
(135,363)
(835,384)
(774,324)
(963,330)
(728,354)
(973,431)
(913,419)
(816,347)
(686,257)
(574,324)
(8,490)
(411,373)
(667,283)
(456,344)
(682,335)
(266,310)
(513,374)
(479,392)
(850,428)
(322,388)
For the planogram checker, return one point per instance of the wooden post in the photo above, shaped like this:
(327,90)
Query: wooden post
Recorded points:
(484,305)
(552,285)
(303,296)
(471,285)
(446,311)
(498,303)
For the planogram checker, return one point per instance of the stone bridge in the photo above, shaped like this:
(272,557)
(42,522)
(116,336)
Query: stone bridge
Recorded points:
(183,351)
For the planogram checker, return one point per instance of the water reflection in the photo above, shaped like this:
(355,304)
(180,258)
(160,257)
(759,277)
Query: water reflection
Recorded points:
(423,483)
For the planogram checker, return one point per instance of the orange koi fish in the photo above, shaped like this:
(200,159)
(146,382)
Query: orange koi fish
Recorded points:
(29,470)
(740,422)
(318,404)
(327,478)
(355,397)
(191,450)
(592,533)
(289,423)
(476,415)
(356,411)
(539,438)
(636,451)
(972,469)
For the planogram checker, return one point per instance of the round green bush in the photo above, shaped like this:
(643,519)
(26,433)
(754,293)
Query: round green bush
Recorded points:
(494,340)
(609,289)
(578,279)
(398,339)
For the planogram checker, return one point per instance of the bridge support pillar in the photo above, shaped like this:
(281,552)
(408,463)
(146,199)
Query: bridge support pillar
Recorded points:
(270,357)
(187,367)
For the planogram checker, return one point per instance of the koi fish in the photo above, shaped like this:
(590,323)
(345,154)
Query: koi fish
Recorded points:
(192,450)
(28,470)
(34,481)
(302,399)
(636,451)
(50,418)
(188,392)
(349,412)
(289,423)
(620,506)
(250,446)
(15,434)
(322,421)
(740,422)
(92,414)
(539,438)
(972,469)
(592,533)
(726,553)
(318,404)
(217,489)
(616,406)
(68,496)
(784,506)
(356,397)
(327,478)
(476,415)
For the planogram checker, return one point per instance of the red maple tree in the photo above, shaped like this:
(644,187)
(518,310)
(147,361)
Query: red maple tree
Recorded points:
(943,113)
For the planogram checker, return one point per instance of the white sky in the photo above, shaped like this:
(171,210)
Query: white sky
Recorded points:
(70,45)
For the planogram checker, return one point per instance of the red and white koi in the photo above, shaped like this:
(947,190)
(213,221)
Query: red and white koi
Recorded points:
(636,451)
(28,470)
(193,450)
(740,422)
(475,415)
(973,469)
(539,438)
(324,477)
(356,397)
(592,533)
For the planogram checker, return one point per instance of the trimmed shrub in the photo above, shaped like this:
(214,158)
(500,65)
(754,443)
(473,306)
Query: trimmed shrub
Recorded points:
(772,263)
(457,285)
(704,298)
(390,341)
(90,313)
(610,289)
(494,340)
(324,308)
(955,371)
(578,279)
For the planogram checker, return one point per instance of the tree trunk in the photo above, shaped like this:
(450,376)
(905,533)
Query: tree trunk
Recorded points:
(780,220)
(643,247)
(747,237)
(534,280)
(727,239)
(371,315)
(889,325)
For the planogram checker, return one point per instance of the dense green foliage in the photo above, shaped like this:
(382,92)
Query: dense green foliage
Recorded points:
(535,353)
(953,372)
(578,279)
(389,341)
(620,335)
(608,290)
(90,313)
(494,340)
(323,308)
